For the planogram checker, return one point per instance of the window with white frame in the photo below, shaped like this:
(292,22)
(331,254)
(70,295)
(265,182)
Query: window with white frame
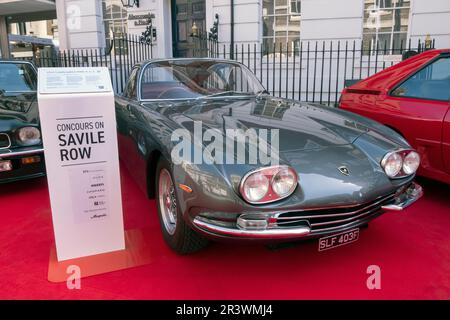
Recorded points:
(114,18)
(281,24)
(386,25)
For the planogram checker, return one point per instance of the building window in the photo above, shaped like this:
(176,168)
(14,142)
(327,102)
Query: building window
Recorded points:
(386,23)
(281,24)
(114,18)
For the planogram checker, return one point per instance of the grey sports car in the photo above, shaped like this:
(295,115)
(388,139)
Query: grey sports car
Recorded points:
(225,160)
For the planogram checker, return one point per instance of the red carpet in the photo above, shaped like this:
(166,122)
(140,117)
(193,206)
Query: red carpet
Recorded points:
(412,249)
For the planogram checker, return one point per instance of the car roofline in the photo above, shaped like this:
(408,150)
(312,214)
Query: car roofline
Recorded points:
(148,61)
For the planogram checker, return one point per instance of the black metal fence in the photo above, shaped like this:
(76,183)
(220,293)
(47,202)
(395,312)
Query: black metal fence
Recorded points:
(123,52)
(313,71)
(205,45)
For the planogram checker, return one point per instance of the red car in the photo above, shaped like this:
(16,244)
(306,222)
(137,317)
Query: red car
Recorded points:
(413,98)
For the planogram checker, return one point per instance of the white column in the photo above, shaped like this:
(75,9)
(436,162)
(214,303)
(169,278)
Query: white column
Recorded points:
(80,24)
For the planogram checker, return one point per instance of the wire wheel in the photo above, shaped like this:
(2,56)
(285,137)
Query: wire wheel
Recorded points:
(167,201)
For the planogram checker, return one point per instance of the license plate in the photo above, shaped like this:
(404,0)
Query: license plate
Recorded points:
(337,240)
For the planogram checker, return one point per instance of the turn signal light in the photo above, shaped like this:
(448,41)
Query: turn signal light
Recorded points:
(246,222)
(31,160)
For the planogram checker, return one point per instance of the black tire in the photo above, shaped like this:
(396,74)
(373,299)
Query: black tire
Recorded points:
(184,240)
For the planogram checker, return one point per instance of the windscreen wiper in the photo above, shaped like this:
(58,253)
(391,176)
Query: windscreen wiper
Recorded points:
(223,93)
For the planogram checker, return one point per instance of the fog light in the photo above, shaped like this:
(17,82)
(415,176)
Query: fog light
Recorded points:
(31,160)
(5,166)
(251,223)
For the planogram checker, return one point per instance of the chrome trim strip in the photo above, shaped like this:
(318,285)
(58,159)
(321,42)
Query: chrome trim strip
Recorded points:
(9,139)
(344,225)
(281,233)
(20,153)
(345,220)
(386,198)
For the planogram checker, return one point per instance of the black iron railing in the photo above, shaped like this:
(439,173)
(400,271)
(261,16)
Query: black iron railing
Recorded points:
(123,52)
(312,71)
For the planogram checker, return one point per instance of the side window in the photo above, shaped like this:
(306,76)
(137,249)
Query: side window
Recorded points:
(130,89)
(431,82)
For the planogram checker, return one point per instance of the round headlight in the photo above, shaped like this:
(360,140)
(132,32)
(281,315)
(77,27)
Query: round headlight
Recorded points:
(392,164)
(411,163)
(29,136)
(284,182)
(255,187)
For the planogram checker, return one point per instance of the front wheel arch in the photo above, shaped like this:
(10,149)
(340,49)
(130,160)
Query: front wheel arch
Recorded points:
(152,163)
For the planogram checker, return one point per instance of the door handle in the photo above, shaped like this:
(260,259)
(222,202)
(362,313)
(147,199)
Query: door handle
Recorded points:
(130,111)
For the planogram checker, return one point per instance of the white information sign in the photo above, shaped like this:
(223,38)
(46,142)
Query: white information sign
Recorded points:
(76,108)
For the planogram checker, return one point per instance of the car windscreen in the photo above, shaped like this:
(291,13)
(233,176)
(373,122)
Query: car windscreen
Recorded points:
(187,79)
(17,77)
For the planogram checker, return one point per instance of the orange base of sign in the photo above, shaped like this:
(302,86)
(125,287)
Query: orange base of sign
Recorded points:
(136,253)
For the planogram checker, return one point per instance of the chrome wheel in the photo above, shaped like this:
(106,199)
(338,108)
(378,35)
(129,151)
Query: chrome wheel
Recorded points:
(167,201)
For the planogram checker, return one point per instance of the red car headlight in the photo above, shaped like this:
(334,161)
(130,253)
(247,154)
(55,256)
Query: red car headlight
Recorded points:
(400,163)
(268,184)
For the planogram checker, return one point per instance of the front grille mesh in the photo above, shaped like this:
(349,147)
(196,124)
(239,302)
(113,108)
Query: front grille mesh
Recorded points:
(4,141)
(332,218)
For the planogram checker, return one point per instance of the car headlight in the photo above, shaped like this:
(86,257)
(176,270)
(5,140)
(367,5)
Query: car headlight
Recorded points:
(268,184)
(29,136)
(400,163)
(284,182)
(411,162)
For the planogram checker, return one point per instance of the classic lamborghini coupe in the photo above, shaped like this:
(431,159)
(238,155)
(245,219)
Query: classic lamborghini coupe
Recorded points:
(332,171)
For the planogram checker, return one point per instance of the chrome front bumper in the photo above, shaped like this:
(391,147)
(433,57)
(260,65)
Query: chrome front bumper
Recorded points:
(281,233)
(406,198)
(400,201)
(5,154)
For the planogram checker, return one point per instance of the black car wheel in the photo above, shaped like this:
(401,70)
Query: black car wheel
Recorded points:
(178,235)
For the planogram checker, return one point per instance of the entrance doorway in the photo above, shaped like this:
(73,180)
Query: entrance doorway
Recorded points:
(184,14)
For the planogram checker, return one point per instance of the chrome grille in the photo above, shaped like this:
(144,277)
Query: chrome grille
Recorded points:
(332,218)
(5,141)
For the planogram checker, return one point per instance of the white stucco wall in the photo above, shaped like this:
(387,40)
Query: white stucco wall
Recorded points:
(247,20)
(80,24)
(431,17)
(331,20)
(321,20)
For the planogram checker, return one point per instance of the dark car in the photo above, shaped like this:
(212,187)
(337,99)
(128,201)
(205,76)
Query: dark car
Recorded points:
(333,171)
(413,98)
(21,150)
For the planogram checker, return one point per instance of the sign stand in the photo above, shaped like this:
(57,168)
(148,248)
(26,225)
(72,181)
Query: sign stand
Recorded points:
(136,254)
(78,123)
